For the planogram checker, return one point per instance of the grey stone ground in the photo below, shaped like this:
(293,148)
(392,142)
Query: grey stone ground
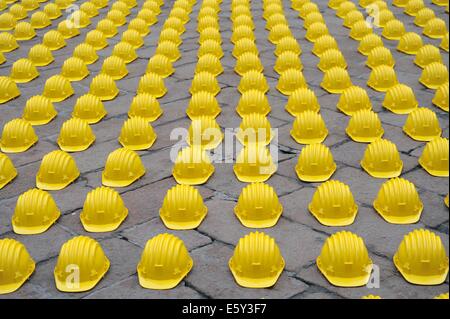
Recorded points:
(298,234)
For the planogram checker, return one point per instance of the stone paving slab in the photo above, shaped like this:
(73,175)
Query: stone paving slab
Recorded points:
(299,235)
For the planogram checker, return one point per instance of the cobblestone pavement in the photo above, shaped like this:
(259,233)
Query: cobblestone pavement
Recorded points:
(298,234)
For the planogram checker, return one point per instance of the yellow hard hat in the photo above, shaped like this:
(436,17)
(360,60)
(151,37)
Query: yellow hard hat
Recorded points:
(288,43)
(334,4)
(423,16)
(336,80)
(115,67)
(254,164)
(309,128)
(117,17)
(168,49)
(278,32)
(369,42)
(203,104)
(307,8)
(67,29)
(17,136)
(103,210)
(125,51)
(400,99)
(16,264)
(313,17)
(57,88)
(315,31)
(86,52)
(245,45)
(301,100)
(410,43)
(104,87)
(360,29)
(344,8)
(170,34)
(246,62)
(90,108)
(107,27)
(39,110)
(258,206)
(205,132)
(434,75)
(393,30)
(74,69)
(57,170)
(351,18)
(8,89)
(35,212)
(75,135)
(422,124)
(90,9)
(440,98)
(382,78)
(40,20)
(253,101)
(7,21)
(192,166)
(206,82)
(123,167)
(254,128)
(97,39)
(210,33)
(288,60)
(161,65)
(413,7)
(364,126)
(7,170)
(398,202)
(23,71)
(183,208)
(380,56)
(333,204)
(209,63)
(153,84)
(146,106)
(421,258)
(7,42)
(291,80)
(253,80)
(134,38)
(315,163)
(85,257)
(174,23)
(434,158)
(210,47)
(257,261)
(53,11)
(354,99)
(244,20)
(382,18)
(331,58)
(344,260)
(40,55)
(24,31)
(435,28)
(137,134)
(164,263)
(382,159)
(53,40)
(18,11)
